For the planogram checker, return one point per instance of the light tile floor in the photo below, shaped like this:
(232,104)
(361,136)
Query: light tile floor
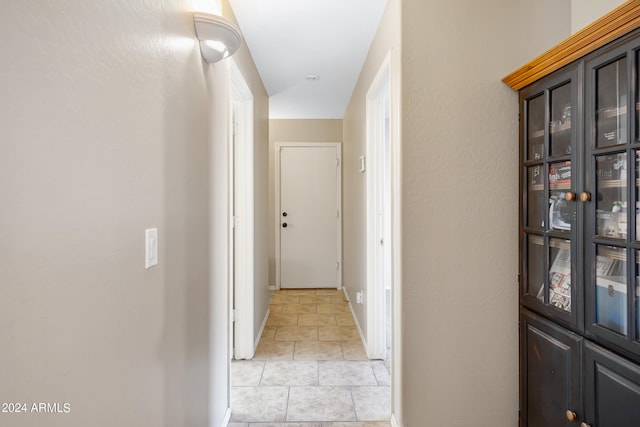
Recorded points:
(310,368)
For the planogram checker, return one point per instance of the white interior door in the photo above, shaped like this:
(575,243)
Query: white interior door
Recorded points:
(308,216)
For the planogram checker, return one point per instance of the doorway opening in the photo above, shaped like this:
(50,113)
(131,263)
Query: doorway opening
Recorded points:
(379,216)
(241,203)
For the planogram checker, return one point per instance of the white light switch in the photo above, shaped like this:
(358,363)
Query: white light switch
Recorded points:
(150,247)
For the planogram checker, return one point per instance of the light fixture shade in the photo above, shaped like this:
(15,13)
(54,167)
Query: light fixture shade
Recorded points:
(218,37)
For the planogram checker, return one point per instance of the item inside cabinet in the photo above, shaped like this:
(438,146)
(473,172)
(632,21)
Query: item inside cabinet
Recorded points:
(560,280)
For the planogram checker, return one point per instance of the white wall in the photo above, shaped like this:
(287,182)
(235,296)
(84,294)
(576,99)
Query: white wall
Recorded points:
(112,123)
(460,204)
(584,12)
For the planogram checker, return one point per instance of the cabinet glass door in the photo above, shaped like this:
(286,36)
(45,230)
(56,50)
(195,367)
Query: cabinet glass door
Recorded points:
(612,211)
(611,103)
(549,214)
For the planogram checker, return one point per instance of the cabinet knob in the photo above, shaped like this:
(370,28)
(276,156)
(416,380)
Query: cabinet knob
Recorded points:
(571,416)
(584,425)
(569,196)
(585,197)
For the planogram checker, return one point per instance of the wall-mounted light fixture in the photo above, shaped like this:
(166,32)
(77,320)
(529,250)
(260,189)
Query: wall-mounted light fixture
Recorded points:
(218,37)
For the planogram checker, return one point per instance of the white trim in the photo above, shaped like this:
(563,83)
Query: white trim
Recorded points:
(226,419)
(242,216)
(377,254)
(338,146)
(394,422)
(396,230)
(355,318)
(264,323)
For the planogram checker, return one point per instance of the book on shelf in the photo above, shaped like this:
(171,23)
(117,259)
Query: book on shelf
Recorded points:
(612,167)
(535,176)
(560,174)
(560,280)
(604,266)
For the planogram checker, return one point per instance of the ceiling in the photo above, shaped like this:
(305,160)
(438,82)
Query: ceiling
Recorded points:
(292,39)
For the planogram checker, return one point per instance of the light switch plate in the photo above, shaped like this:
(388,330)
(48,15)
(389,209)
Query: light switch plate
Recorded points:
(150,247)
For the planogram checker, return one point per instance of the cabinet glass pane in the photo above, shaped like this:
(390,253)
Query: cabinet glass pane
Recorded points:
(535,267)
(535,128)
(560,124)
(611,201)
(536,204)
(611,104)
(611,288)
(561,212)
(560,274)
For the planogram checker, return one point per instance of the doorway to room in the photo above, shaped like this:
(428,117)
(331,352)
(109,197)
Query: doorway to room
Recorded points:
(379,216)
(241,204)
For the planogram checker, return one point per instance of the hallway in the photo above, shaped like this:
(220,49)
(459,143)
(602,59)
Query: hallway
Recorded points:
(310,368)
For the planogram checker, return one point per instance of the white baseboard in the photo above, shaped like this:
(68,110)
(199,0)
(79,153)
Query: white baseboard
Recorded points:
(227,418)
(264,323)
(355,319)
(271,287)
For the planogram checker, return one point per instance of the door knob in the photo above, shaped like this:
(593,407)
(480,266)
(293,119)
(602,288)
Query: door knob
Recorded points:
(584,425)
(284,224)
(571,416)
(284,214)
(585,197)
(569,196)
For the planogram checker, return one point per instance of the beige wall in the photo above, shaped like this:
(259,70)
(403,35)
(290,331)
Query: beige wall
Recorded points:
(112,123)
(293,130)
(459,205)
(584,12)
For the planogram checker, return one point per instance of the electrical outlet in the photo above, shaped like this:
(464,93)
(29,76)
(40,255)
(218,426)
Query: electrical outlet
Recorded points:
(359,297)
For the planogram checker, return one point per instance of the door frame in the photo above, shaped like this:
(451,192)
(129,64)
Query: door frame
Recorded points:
(338,147)
(378,152)
(241,205)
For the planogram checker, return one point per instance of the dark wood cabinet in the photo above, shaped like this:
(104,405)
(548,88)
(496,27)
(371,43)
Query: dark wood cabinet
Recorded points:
(612,389)
(579,229)
(550,366)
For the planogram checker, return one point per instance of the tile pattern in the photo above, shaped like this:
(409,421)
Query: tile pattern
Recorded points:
(310,368)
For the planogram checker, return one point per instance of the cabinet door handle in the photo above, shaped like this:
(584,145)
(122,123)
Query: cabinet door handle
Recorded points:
(571,416)
(569,196)
(585,197)
(584,425)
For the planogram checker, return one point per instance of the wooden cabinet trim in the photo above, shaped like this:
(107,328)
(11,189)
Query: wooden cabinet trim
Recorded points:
(613,25)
